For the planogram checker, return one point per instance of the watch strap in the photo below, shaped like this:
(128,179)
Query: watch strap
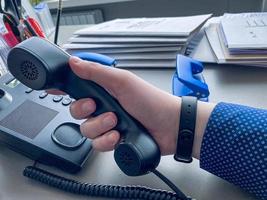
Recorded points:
(186,133)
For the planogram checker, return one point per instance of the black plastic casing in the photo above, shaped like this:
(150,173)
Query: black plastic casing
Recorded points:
(40,148)
(41,65)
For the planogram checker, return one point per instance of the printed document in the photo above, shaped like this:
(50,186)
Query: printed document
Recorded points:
(92,39)
(171,26)
(245,31)
(223,56)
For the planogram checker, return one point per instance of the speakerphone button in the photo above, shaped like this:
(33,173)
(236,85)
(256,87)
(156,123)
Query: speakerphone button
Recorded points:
(67,101)
(43,95)
(57,99)
(68,136)
(29,90)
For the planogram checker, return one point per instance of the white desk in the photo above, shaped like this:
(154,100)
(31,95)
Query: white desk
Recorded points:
(231,84)
(243,85)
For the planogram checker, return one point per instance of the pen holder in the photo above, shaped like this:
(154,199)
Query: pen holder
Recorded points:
(47,23)
(188,79)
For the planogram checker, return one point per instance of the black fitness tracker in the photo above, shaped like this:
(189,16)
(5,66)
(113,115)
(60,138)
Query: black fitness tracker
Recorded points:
(186,130)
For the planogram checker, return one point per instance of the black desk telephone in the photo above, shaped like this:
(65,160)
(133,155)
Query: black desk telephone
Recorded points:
(40,126)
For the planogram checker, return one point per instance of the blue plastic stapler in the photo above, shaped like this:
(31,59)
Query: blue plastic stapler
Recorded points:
(95,57)
(188,79)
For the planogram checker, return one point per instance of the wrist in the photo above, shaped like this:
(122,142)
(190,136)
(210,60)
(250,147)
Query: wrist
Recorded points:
(175,131)
(171,123)
(203,113)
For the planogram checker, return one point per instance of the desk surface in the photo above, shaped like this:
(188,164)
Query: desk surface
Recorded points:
(227,83)
(244,85)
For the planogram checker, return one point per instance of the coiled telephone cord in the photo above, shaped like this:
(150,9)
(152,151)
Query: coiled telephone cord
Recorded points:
(104,191)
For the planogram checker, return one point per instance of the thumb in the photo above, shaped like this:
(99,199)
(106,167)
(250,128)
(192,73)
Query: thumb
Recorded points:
(112,79)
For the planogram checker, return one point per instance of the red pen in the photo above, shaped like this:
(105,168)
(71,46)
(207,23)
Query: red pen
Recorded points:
(35,25)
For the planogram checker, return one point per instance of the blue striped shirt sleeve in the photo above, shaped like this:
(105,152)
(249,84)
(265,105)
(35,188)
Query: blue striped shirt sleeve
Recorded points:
(234,147)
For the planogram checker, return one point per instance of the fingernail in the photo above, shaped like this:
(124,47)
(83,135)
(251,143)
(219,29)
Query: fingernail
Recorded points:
(108,122)
(112,138)
(87,107)
(75,59)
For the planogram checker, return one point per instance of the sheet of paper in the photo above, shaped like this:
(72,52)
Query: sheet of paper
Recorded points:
(247,51)
(245,31)
(147,64)
(128,50)
(171,26)
(203,52)
(144,56)
(176,40)
(222,56)
(120,51)
(214,42)
(114,46)
(253,57)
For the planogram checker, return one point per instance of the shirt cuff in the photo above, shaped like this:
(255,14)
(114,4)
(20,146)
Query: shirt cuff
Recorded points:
(234,147)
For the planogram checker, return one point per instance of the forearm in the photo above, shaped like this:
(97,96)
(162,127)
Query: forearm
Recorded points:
(234,146)
(230,142)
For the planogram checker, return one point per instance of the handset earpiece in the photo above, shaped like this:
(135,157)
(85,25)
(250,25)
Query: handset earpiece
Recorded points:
(41,65)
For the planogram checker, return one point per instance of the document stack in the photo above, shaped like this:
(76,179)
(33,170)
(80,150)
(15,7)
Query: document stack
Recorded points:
(240,39)
(138,42)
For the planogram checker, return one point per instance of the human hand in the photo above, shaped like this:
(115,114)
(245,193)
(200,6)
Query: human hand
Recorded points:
(157,110)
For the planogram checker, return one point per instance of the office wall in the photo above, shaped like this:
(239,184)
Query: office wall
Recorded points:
(157,8)
(264,5)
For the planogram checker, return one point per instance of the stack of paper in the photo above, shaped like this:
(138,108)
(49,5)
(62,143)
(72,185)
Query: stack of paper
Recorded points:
(139,42)
(251,34)
(239,39)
